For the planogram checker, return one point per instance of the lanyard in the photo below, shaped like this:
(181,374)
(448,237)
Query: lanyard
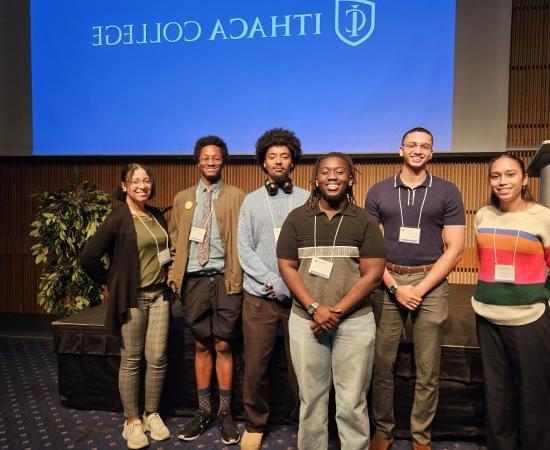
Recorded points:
(335,234)
(271,211)
(515,245)
(495,247)
(421,206)
(211,209)
(152,234)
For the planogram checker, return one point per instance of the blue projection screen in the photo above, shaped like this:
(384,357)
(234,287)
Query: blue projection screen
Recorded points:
(150,77)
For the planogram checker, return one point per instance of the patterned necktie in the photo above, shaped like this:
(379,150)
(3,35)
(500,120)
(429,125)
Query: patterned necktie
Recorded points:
(203,248)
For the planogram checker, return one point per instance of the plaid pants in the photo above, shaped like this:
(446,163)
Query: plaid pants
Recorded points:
(146,328)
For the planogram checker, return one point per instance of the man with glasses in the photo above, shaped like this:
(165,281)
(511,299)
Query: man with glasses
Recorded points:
(423,220)
(207,276)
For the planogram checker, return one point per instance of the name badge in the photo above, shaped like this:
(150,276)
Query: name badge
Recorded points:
(505,273)
(409,235)
(197,234)
(276,233)
(164,257)
(320,268)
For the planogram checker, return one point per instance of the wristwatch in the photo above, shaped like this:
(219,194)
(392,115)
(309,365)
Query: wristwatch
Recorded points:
(312,308)
(393,289)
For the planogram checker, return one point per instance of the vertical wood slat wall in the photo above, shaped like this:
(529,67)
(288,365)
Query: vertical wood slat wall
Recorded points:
(19,278)
(529,94)
(528,125)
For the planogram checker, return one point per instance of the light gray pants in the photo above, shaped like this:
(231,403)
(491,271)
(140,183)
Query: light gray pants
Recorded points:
(146,328)
(342,357)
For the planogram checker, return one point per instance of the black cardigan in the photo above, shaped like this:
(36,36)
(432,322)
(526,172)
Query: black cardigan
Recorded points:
(117,238)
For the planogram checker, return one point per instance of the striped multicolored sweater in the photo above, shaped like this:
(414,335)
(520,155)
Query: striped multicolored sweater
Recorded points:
(524,300)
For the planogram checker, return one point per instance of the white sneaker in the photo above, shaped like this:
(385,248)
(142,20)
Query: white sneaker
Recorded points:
(154,424)
(134,435)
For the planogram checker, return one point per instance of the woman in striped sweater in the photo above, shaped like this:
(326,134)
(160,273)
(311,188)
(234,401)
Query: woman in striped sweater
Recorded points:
(512,313)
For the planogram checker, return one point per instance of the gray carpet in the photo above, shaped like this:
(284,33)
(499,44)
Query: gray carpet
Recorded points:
(32,418)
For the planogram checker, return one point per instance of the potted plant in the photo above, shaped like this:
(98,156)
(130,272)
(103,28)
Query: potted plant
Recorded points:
(65,219)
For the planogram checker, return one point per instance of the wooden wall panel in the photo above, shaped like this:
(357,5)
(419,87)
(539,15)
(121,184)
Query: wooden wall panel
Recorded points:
(19,280)
(529,97)
(528,125)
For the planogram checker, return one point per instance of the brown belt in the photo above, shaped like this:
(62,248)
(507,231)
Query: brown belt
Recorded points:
(405,270)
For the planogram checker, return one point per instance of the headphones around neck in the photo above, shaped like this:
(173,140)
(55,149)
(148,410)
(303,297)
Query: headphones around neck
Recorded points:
(272,188)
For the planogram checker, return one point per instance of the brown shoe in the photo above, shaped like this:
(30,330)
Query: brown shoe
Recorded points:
(417,446)
(380,443)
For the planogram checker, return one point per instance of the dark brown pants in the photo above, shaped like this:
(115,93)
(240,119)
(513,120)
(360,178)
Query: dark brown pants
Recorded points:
(261,320)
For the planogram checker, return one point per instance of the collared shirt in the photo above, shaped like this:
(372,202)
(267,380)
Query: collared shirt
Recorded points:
(441,205)
(216,259)
(358,237)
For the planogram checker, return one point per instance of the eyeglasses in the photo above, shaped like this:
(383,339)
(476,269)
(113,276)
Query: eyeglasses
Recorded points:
(216,160)
(415,145)
(137,182)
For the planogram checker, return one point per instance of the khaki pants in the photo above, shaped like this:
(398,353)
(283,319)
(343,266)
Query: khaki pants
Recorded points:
(427,321)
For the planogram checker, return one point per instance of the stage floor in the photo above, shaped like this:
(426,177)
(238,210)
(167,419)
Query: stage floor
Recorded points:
(88,362)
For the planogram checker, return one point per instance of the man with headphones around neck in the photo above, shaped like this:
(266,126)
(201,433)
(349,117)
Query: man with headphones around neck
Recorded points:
(267,300)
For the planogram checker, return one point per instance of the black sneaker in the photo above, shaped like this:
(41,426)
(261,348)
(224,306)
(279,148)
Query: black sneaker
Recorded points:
(194,428)
(228,430)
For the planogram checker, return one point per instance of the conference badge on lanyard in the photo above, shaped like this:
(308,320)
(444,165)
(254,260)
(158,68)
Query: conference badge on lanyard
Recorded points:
(410,235)
(276,229)
(197,234)
(164,257)
(320,268)
(505,273)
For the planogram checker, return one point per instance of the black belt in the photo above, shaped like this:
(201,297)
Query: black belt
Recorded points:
(153,287)
(203,274)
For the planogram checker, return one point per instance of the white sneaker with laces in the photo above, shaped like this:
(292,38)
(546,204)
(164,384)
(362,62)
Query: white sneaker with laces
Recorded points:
(154,424)
(134,435)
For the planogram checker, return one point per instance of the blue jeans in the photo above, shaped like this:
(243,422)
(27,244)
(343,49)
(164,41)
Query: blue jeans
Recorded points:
(343,357)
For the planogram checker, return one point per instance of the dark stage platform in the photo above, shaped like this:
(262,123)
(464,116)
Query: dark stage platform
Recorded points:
(88,362)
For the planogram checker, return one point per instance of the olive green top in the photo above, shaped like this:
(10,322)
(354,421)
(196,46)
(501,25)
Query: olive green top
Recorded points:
(150,270)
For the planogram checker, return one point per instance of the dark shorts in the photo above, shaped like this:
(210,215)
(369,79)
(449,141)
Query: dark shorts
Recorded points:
(208,309)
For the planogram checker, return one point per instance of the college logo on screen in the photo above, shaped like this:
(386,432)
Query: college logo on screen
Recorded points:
(354,20)
(353,23)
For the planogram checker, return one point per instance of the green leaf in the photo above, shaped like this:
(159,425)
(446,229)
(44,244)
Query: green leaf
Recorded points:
(62,225)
